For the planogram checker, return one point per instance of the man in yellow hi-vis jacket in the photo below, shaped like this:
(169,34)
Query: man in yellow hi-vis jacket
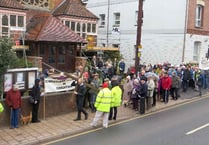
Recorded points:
(102,105)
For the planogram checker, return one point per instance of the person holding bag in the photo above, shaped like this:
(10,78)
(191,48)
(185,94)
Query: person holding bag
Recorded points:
(13,100)
(35,93)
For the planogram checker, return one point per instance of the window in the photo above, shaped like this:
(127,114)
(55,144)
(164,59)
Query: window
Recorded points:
(196,52)
(73,26)
(12,20)
(93,28)
(20,21)
(102,20)
(88,27)
(83,28)
(199,16)
(78,28)
(116,19)
(67,23)
(5,20)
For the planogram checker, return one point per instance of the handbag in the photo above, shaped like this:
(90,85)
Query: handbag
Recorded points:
(1,108)
(31,100)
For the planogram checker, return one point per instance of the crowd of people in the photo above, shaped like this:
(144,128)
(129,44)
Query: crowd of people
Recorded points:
(112,87)
(141,90)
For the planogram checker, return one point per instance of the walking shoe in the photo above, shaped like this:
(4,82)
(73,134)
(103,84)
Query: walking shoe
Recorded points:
(77,119)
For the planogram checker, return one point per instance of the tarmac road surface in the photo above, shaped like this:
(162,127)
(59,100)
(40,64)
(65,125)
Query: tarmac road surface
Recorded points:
(184,125)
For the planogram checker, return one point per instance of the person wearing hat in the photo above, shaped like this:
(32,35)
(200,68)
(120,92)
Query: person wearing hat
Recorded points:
(35,93)
(102,104)
(13,100)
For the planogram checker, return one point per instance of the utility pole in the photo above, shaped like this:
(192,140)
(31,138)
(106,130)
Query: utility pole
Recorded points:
(139,31)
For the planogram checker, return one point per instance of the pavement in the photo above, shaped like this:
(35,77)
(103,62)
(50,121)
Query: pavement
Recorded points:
(61,126)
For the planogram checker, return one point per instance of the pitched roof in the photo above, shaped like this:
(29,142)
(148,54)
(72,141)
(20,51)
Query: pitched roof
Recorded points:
(74,8)
(45,27)
(11,4)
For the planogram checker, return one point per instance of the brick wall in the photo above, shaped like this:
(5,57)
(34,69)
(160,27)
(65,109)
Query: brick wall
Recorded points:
(191,19)
(55,104)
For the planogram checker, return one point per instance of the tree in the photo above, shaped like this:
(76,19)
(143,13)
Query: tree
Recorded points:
(8,58)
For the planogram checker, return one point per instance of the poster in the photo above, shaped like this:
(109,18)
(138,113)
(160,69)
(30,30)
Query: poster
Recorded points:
(31,79)
(7,82)
(20,81)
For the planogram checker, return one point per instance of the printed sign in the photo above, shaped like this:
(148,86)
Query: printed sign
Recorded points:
(58,85)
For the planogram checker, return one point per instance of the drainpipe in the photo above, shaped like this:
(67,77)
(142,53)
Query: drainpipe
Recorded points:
(108,19)
(185,29)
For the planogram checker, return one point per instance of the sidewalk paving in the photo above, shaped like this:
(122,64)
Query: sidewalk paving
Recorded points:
(63,125)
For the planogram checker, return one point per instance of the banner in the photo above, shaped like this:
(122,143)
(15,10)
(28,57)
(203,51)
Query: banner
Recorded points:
(58,85)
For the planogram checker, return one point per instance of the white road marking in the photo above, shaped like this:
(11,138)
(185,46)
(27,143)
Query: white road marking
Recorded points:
(197,129)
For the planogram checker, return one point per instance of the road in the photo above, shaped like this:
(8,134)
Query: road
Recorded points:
(187,124)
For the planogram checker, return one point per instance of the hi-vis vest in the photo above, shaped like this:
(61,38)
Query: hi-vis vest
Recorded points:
(116,96)
(103,100)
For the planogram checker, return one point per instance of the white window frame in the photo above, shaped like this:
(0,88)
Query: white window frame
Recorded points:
(199,16)
(196,51)
(116,19)
(102,20)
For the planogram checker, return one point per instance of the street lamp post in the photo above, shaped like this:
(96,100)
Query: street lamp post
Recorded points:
(139,31)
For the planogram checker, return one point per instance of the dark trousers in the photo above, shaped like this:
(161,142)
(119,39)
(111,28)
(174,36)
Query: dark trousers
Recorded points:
(79,113)
(184,85)
(113,113)
(174,93)
(165,96)
(35,112)
(154,98)
(142,105)
(135,103)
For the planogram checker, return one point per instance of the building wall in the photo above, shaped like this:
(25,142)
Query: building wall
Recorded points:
(161,33)
(191,18)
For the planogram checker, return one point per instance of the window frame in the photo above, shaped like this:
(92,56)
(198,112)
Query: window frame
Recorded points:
(116,19)
(199,15)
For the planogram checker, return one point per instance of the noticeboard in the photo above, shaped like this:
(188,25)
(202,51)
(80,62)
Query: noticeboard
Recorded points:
(24,78)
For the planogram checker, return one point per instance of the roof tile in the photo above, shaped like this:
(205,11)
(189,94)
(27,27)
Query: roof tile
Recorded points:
(74,8)
(11,4)
(45,27)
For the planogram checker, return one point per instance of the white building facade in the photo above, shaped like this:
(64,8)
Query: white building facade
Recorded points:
(165,35)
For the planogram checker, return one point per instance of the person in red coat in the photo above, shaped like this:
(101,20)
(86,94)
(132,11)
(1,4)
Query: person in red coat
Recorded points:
(166,85)
(13,100)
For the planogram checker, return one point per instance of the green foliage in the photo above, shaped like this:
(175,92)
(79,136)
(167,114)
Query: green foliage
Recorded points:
(8,58)
(112,54)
